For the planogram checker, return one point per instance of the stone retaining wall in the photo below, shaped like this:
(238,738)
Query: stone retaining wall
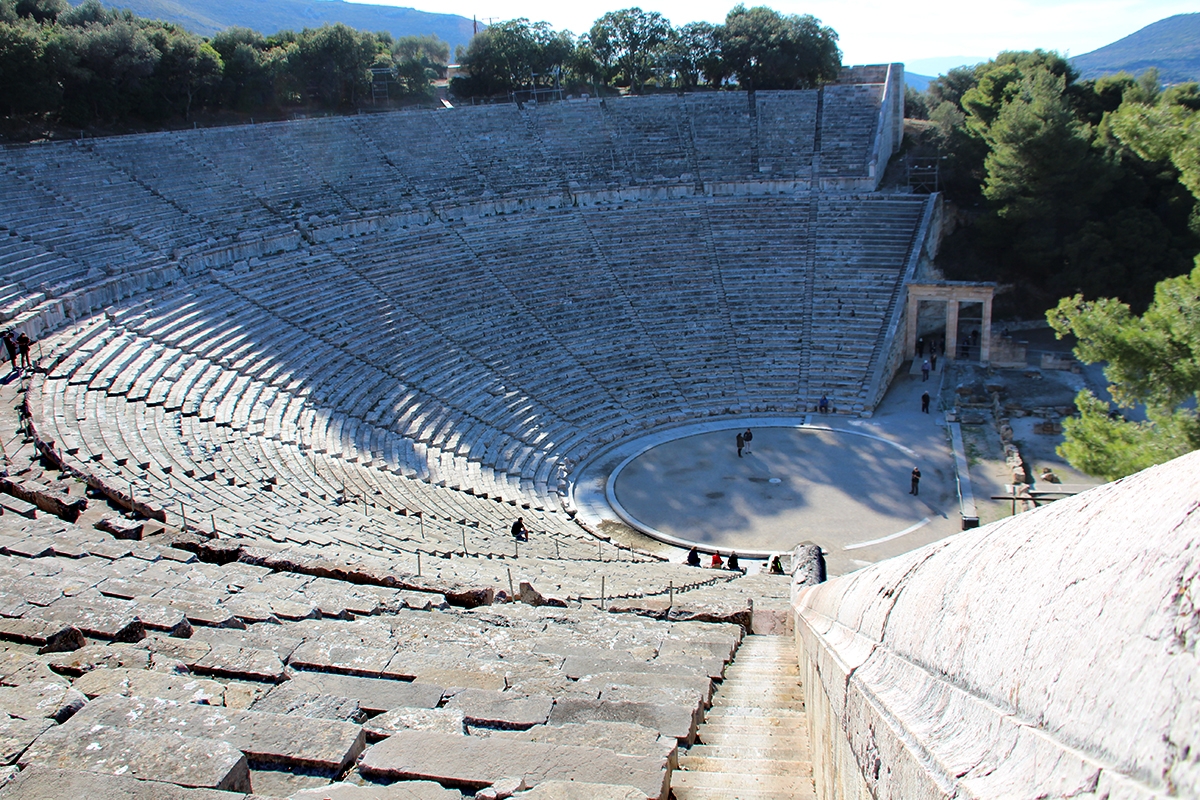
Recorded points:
(1015,660)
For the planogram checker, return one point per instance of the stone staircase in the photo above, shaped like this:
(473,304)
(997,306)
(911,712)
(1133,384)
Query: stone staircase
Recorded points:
(754,740)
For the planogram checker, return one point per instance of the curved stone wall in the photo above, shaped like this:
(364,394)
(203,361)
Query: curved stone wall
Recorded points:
(1053,654)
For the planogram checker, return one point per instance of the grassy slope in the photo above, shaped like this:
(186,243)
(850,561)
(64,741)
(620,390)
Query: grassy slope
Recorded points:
(206,17)
(1171,44)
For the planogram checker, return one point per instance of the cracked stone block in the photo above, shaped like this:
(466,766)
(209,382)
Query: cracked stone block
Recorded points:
(501,709)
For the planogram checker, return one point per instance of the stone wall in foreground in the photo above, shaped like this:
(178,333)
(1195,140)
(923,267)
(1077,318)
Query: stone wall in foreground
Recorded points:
(1053,654)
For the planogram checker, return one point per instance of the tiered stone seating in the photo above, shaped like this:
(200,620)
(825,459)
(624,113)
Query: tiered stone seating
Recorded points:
(137,661)
(863,246)
(786,126)
(444,358)
(849,121)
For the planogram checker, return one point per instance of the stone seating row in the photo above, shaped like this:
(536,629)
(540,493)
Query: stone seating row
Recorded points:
(221,474)
(136,659)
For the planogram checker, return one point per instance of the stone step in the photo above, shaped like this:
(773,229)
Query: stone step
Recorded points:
(769,738)
(719,786)
(744,766)
(783,750)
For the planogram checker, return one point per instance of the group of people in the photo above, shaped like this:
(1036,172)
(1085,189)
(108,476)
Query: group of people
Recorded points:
(774,565)
(18,345)
(693,560)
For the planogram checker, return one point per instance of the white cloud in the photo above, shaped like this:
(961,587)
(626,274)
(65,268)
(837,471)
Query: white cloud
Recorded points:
(884,30)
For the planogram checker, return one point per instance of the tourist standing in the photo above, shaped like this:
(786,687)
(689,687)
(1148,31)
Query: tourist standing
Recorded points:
(916,481)
(925,370)
(10,344)
(925,402)
(741,444)
(23,343)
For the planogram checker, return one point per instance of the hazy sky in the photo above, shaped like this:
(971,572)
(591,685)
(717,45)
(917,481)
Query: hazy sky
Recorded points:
(874,31)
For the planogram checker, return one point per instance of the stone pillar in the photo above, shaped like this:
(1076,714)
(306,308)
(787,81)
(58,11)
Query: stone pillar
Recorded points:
(910,327)
(985,334)
(951,328)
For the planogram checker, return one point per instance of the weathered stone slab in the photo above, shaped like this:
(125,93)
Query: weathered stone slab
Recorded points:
(44,783)
(247,663)
(49,636)
(564,646)
(36,590)
(262,636)
(41,700)
(17,734)
(28,547)
(156,756)
(187,651)
(96,656)
(289,700)
(148,683)
(504,710)
(343,658)
(698,685)
(578,790)
(122,528)
(618,737)
(577,667)
(127,588)
(101,617)
(373,694)
(474,763)
(678,722)
(407,790)
(50,499)
(276,739)
(18,668)
(156,616)
(435,720)
(250,609)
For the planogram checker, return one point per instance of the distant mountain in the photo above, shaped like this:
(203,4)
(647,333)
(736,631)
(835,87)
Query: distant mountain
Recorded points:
(918,83)
(1171,44)
(206,17)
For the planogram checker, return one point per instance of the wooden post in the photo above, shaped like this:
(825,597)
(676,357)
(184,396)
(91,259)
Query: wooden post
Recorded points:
(601,592)
(670,594)
(213,518)
(421,520)
(418,563)
(464,538)
(183,513)
(516,547)
(511,593)
(556,547)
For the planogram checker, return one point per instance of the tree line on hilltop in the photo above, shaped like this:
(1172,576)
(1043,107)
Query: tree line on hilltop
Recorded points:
(88,64)
(632,49)
(1083,197)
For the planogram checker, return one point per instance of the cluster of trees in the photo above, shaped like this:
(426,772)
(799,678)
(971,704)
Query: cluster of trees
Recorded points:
(1152,360)
(759,48)
(1058,195)
(1084,196)
(89,64)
